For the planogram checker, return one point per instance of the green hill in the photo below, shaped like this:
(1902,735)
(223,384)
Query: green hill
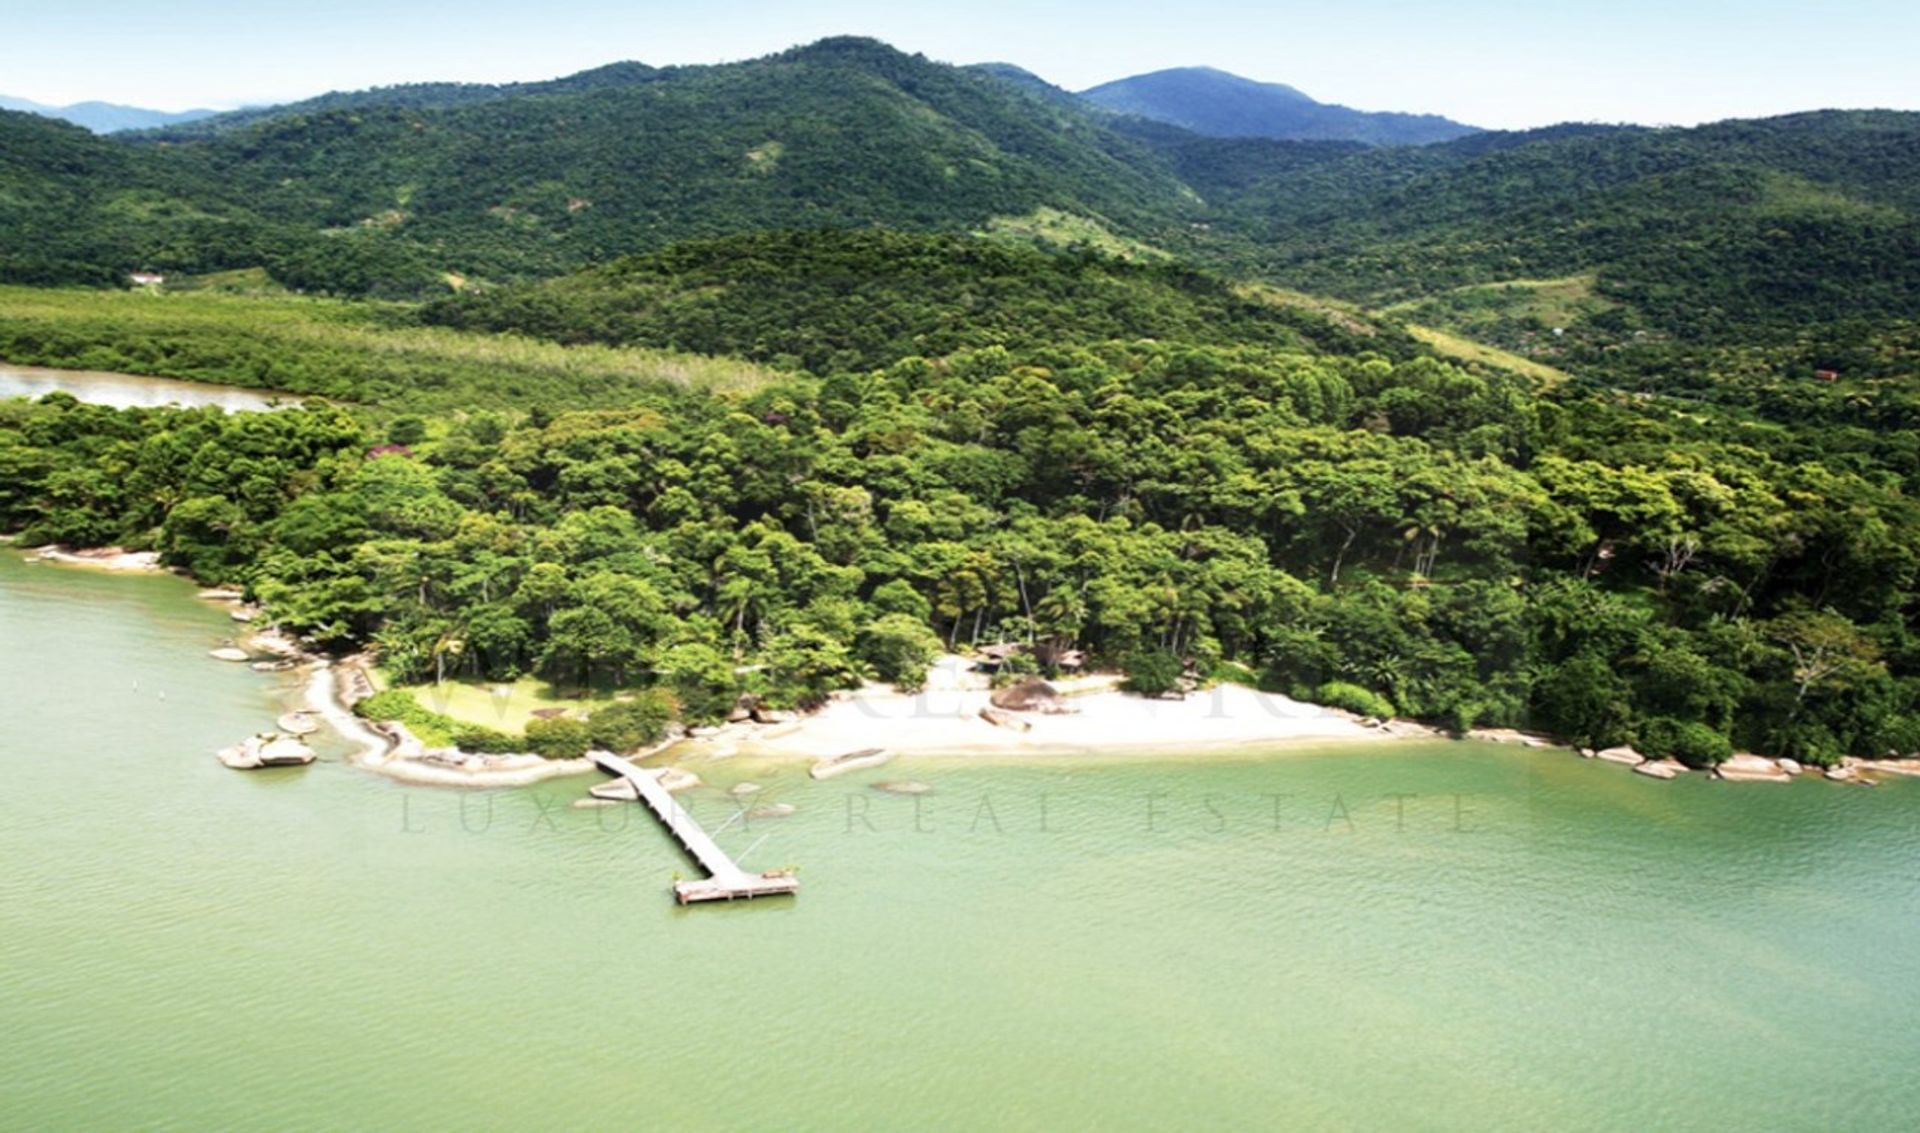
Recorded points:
(827,301)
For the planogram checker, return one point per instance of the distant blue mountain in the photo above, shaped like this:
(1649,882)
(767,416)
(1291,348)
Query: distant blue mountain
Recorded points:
(106,117)
(1221,105)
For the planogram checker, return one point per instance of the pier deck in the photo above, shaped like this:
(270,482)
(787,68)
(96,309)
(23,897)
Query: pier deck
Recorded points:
(725,881)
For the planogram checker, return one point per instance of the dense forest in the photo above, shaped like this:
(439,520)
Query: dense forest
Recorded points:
(779,374)
(1257,492)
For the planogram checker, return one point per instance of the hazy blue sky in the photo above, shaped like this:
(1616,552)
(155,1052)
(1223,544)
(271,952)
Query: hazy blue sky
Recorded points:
(1489,63)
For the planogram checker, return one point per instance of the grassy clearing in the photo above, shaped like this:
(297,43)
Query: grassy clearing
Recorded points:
(1559,302)
(1466,350)
(502,705)
(1052,228)
(358,352)
(1348,315)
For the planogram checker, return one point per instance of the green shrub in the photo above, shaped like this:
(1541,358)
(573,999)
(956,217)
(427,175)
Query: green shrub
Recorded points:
(900,648)
(563,738)
(1153,672)
(488,741)
(433,729)
(1689,741)
(628,725)
(1353,698)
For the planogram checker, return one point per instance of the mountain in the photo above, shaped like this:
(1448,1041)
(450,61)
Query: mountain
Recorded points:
(412,96)
(1222,105)
(417,182)
(106,117)
(1728,234)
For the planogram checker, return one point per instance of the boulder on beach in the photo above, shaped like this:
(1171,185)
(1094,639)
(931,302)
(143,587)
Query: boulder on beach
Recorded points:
(1031,695)
(1747,767)
(1841,774)
(227,653)
(1660,768)
(741,712)
(1001,718)
(764,715)
(1790,766)
(1624,755)
(299,723)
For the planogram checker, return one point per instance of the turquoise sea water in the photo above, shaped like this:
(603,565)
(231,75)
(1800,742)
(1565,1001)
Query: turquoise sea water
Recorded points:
(1432,935)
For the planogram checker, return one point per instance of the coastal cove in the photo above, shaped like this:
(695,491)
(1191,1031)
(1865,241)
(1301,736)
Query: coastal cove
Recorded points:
(1482,934)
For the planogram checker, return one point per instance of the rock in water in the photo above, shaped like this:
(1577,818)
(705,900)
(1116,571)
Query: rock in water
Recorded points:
(674,779)
(299,724)
(1791,766)
(268,749)
(772,810)
(902,787)
(1624,755)
(619,790)
(228,653)
(852,761)
(285,751)
(740,790)
(240,757)
(1750,768)
(1660,768)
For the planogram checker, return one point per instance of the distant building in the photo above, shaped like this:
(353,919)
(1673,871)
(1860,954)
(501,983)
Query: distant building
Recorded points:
(1827,375)
(146,279)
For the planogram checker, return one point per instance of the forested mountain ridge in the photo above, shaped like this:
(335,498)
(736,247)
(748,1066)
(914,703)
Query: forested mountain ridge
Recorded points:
(841,133)
(407,191)
(1222,105)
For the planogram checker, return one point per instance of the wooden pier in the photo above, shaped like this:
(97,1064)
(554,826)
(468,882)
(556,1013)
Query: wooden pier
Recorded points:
(725,881)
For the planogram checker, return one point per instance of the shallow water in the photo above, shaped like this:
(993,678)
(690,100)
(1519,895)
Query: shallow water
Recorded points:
(1527,941)
(128,391)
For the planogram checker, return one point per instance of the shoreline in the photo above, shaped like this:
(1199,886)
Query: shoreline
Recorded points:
(114,560)
(953,718)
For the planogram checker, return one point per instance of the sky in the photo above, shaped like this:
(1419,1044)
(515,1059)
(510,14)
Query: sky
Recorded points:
(1492,64)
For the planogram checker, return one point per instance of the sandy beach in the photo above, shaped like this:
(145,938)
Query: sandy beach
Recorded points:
(946,720)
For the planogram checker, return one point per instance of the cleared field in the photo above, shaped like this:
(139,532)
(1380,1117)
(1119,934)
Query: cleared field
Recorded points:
(363,352)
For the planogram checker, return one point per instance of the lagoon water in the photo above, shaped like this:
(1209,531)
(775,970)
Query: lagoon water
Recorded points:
(129,391)
(1522,941)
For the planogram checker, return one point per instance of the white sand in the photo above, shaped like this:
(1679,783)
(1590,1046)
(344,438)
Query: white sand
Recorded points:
(945,720)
